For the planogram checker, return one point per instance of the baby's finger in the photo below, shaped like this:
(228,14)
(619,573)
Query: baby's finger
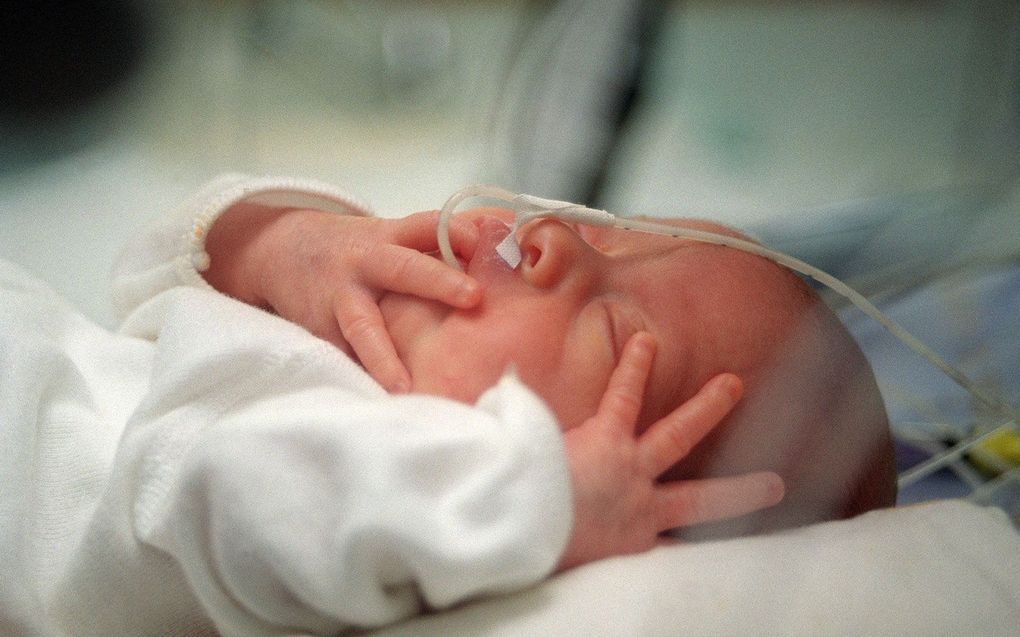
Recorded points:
(418,231)
(399,269)
(696,501)
(363,327)
(621,402)
(669,440)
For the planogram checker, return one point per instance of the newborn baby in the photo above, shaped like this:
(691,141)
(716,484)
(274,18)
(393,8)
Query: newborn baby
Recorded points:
(560,320)
(212,468)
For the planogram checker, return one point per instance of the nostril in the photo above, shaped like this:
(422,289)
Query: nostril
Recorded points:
(532,254)
(548,251)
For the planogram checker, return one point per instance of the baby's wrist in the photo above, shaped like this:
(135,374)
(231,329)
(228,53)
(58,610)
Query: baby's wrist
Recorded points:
(240,251)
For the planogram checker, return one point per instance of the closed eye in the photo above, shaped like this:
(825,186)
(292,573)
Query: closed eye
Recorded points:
(621,324)
(609,321)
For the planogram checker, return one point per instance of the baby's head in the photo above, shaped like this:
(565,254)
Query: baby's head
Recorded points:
(811,410)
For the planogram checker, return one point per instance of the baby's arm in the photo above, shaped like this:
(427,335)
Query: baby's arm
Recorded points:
(171,253)
(619,505)
(289,494)
(326,272)
(320,245)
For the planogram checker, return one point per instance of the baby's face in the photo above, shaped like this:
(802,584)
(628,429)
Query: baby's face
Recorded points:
(562,317)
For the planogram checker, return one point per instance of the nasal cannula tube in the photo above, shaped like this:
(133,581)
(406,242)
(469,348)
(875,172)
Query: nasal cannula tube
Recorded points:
(527,208)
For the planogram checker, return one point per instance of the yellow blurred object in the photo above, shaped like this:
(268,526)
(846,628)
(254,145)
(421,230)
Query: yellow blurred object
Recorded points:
(998,453)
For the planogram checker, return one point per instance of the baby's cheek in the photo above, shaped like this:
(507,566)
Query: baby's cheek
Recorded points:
(577,396)
(452,375)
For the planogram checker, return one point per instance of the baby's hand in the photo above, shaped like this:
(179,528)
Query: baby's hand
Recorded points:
(619,506)
(326,272)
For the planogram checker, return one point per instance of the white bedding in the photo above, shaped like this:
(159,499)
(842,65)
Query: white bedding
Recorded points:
(945,567)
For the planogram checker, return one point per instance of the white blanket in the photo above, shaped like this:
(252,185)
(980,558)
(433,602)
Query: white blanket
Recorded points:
(943,568)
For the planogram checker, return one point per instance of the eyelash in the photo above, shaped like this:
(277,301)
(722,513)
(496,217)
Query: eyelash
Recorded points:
(616,332)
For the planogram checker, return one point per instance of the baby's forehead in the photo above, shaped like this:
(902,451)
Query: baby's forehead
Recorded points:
(656,251)
(707,275)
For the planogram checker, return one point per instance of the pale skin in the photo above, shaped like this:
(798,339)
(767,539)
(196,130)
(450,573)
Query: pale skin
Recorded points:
(374,288)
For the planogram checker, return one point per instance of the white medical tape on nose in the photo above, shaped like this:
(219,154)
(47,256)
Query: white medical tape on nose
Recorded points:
(509,250)
(528,207)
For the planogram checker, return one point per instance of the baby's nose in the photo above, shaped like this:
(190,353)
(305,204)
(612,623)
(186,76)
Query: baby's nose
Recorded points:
(550,251)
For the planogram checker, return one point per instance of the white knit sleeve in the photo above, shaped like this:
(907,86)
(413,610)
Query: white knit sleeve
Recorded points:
(171,251)
(293,496)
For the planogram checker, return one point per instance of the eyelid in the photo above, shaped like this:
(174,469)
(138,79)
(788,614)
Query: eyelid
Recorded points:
(611,330)
(621,326)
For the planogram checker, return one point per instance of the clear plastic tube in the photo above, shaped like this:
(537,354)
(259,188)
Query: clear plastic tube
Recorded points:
(470,192)
(527,208)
